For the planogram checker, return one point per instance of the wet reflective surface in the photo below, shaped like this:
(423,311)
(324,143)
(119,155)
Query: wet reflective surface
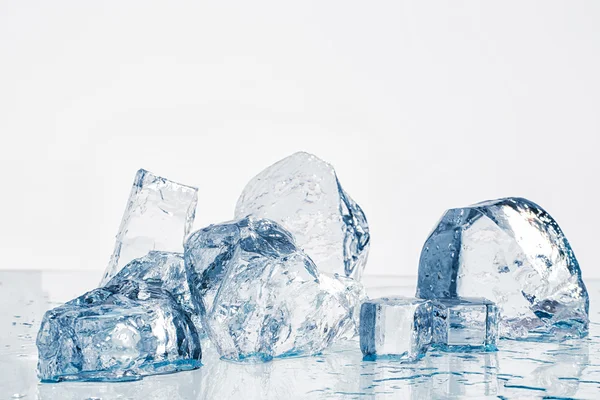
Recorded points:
(518,370)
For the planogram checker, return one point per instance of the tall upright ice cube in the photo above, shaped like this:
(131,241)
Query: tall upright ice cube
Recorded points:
(395,327)
(158,216)
(303,194)
(513,253)
(464,324)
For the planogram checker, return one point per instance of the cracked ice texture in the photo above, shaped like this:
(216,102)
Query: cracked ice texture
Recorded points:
(514,253)
(263,296)
(209,251)
(158,216)
(117,333)
(303,193)
(166,270)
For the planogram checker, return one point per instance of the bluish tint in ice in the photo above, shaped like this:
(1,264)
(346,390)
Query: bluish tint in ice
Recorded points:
(209,251)
(396,327)
(512,252)
(465,324)
(158,216)
(117,333)
(303,194)
(264,297)
(524,370)
(166,270)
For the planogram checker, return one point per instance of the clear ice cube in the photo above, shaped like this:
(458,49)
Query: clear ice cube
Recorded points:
(158,216)
(512,252)
(117,333)
(463,324)
(303,194)
(269,300)
(395,327)
(166,270)
(209,251)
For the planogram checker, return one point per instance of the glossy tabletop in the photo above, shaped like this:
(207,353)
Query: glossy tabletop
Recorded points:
(518,370)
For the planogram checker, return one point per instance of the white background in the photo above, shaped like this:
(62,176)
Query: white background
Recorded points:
(420,106)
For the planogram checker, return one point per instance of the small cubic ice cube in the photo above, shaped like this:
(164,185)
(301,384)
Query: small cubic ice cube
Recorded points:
(462,324)
(158,216)
(395,327)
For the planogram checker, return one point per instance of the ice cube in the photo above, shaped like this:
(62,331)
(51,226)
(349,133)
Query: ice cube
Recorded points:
(166,270)
(513,253)
(158,216)
(269,299)
(463,324)
(117,333)
(209,251)
(395,327)
(304,195)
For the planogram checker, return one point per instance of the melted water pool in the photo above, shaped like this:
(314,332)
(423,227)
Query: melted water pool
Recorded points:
(519,370)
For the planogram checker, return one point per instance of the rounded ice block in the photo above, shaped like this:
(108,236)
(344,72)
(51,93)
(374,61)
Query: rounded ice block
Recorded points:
(514,253)
(395,327)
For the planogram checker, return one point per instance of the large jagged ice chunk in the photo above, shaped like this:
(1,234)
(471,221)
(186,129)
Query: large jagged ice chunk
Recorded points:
(395,327)
(117,333)
(302,193)
(512,252)
(159,215)
(464,324)
(271,301)
(166,270)
(209,251)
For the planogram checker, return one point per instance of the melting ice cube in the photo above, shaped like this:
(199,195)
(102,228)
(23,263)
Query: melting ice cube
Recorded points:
(117,333)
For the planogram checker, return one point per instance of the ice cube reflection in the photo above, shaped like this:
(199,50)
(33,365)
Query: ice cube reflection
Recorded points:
(518,369)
